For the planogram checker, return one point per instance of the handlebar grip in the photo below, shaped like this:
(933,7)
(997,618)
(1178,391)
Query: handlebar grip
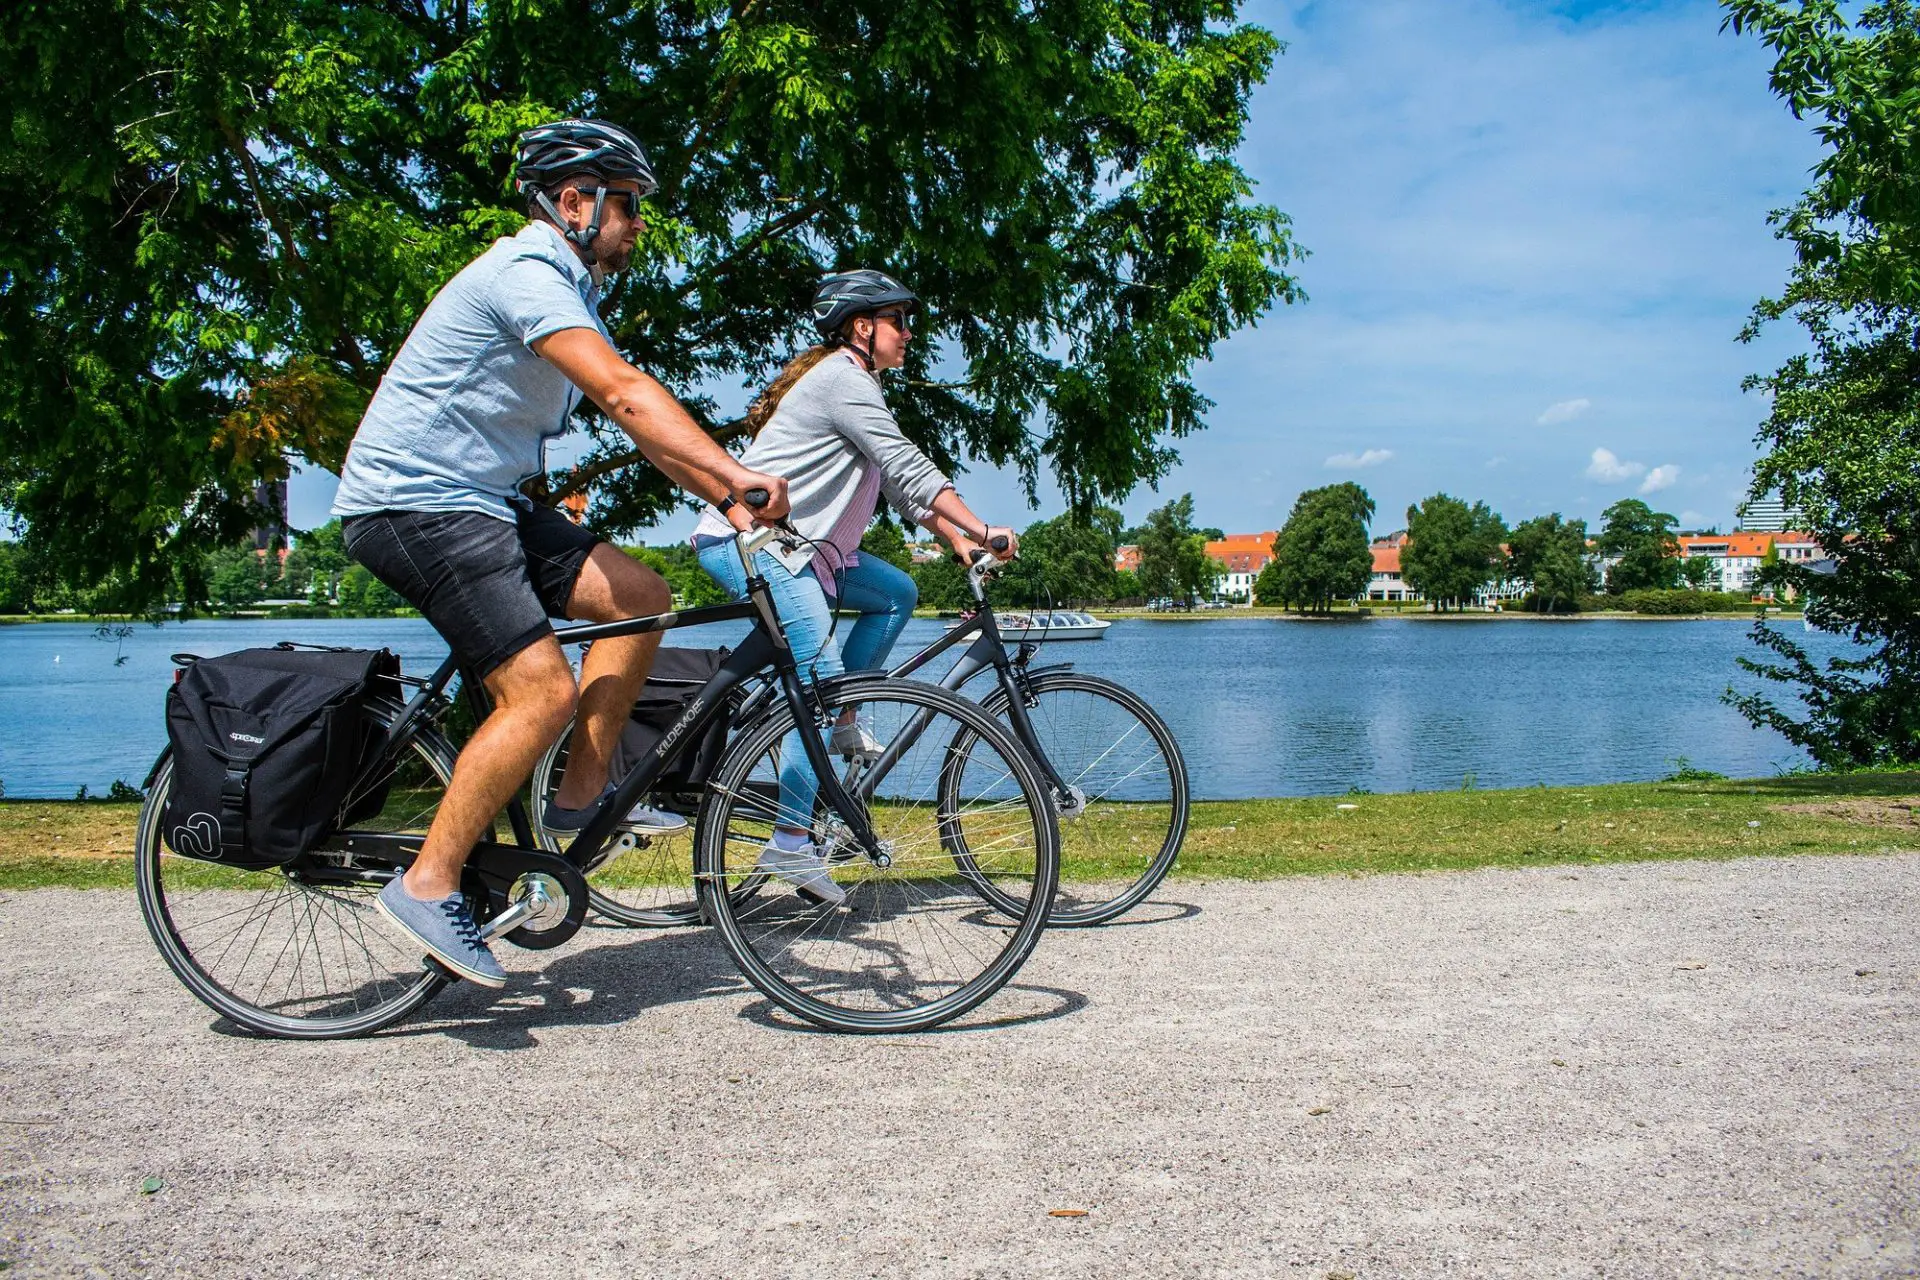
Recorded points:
(999,545)
(756,498)
(978,554)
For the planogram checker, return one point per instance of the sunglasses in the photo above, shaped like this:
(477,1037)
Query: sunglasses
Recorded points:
(631,199)
(898,317)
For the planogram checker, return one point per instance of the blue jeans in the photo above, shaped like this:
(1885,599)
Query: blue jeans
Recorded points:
(884,597)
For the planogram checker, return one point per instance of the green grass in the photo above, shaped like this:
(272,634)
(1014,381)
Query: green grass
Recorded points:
(90,845)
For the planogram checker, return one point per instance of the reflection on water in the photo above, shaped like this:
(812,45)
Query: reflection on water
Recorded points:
(1262,707)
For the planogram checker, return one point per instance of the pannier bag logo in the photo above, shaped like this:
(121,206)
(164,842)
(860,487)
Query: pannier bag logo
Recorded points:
(198,836)
(246,737)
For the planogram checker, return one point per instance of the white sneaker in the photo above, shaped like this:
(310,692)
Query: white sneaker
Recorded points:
(853,740)
(804,869)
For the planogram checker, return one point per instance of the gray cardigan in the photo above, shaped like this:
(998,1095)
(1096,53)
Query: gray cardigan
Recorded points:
(826,435)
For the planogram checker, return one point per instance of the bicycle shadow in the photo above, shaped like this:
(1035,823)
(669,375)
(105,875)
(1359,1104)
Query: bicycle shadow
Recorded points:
(603,985)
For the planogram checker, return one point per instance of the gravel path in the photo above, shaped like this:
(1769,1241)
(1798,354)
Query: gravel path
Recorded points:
(1653,1070)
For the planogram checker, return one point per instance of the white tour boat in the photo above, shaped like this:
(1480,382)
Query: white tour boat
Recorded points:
(1050,624)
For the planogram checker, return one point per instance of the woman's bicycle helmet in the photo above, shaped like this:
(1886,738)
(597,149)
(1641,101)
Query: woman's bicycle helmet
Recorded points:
(551,152)
(846,294)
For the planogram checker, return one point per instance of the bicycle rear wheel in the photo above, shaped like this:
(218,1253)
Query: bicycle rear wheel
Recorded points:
(1125,814)
(914,945)
(296,952)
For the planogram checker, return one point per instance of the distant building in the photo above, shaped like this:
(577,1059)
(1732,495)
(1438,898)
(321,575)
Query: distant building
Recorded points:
(271,495)
(1736,557)
(1386,582)
(1768,515)
(1242,556)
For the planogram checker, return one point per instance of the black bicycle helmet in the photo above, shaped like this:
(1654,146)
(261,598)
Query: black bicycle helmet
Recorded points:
(550,152)
(845,294)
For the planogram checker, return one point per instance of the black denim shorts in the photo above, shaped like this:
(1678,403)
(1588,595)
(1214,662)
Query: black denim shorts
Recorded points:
(488,587)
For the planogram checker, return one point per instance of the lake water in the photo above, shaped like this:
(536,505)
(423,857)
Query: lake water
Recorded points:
(1262,707)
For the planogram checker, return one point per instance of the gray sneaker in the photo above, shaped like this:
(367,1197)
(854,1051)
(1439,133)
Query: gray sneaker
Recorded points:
(445,928)
(642,818)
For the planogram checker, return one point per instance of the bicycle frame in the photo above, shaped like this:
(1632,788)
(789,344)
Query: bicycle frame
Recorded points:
(766,646)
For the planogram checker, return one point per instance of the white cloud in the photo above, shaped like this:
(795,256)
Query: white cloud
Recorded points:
(1608,469)
(1354,461)
(1564,411)
(1660,478)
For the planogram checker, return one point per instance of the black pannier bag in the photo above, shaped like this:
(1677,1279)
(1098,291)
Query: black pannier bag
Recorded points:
(677,676)
(266,743)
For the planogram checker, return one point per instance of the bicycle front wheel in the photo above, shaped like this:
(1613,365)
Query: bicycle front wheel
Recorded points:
(1123,814)
(297,952)
(915,943)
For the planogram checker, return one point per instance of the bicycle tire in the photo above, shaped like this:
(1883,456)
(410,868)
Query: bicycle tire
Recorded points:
(317,998)
(911,948)
(1131,819)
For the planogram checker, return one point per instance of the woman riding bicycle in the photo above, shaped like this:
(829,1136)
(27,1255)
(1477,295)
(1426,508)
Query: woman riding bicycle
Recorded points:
(824,425)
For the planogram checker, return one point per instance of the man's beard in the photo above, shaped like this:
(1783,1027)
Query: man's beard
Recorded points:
(610,253)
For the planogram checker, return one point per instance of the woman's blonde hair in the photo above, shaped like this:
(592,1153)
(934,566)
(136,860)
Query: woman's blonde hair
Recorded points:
(796,369)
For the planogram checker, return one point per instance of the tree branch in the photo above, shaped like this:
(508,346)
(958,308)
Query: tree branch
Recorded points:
(582,477)
(239,147)
(778,227)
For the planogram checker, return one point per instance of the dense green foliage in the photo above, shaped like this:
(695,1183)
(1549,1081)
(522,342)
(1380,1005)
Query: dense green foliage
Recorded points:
(1643,539)
(225,217)
(1683,601)
(1063,561)
(1173,554)
(691,585)
(888,541)
(1551,554)
(1842,438)
(1321,554)
(1452,549)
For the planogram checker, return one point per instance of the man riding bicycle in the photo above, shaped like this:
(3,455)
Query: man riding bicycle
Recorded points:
(431,504)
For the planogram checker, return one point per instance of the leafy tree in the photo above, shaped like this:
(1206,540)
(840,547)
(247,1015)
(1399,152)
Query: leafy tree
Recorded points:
(886,541)
(677,563)
(238,215)
(942,583)
(1452,550)
(1551,554)
(1125,585)
(1842,439)
(324,556)
(236,576)
(1321,554)
(361,595)
(1173,554)
(16,587)
(296,573)
(1697,572)
(1062,561)
(1270,586)
(1643,539)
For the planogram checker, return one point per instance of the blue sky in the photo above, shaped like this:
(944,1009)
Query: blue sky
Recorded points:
(1535,229)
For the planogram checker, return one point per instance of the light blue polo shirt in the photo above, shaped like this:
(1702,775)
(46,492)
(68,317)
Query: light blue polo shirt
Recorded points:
(466,409)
